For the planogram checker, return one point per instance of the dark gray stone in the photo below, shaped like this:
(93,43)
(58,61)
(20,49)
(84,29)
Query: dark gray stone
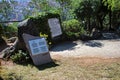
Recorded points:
(96,34)
(27,26)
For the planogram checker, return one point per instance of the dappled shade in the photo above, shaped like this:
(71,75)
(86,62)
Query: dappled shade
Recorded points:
(64,46)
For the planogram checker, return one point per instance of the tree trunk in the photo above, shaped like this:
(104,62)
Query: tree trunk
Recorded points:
(100,20)
(110,15)
(89,23)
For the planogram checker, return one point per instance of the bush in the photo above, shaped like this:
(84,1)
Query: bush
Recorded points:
(21,57)
(10,30)
(72,29)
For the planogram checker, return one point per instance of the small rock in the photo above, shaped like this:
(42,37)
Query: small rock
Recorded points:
(95,34)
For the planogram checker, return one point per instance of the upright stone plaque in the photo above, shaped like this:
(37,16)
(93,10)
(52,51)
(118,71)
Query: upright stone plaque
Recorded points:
(38,46)
(55,28)
(38,49)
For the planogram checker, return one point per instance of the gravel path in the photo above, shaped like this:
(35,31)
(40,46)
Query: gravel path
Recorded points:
(93,48)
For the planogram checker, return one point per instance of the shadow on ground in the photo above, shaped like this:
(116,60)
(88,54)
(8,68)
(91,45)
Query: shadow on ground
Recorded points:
(93,44)
(40,67)
(48,65)
(63,46)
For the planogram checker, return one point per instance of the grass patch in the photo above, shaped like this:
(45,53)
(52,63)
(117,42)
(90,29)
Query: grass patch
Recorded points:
(65,69)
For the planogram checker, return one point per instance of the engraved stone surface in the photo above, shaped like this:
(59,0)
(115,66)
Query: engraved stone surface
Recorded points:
(38,49)
(38,46)
(55,28)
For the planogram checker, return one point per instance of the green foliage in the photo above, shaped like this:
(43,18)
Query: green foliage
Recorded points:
(112,4)
(41,22)
(41,6)
(10,30)
(64,7)
(116,19)
(67,8)
(87,11)
(46,37)
(84,9)
(20,57)
(72,29)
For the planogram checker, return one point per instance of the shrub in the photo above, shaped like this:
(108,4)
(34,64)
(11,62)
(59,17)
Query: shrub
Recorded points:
(21,57)
(72,29)
(45,36)
(10,30)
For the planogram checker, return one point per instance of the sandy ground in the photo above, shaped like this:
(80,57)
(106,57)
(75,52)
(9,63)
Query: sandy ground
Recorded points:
(93,48)
(86,53)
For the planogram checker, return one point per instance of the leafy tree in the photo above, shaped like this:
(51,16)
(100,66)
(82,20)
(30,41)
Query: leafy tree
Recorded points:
(67,8)
(112,4)
(114,10)
(87,11)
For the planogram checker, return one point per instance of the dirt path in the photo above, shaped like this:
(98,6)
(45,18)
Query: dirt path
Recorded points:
(93,48)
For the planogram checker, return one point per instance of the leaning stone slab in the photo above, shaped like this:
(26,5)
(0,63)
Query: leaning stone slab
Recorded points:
(38,49)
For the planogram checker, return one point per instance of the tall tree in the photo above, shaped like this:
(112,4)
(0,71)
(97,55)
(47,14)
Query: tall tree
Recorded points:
(65,7)
(113,7)
(86,11)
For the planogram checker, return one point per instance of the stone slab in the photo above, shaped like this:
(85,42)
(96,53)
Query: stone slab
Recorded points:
(55,27)
(38,56)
